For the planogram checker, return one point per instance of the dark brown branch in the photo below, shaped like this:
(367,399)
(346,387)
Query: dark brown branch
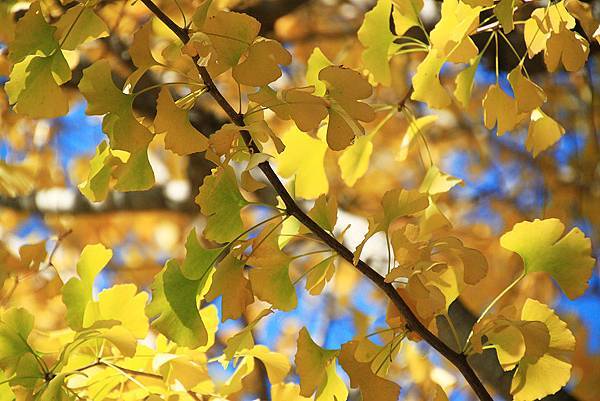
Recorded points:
(457,359)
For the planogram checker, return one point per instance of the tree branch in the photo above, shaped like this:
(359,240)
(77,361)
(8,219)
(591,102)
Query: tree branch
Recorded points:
(457,359)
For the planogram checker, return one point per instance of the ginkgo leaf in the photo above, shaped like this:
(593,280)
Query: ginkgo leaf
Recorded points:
(426,82)
(230,283)
(269,274)
(304,158)
(354,160)
(566,259)
(15,326)
(501,108)
(33,36)
(77,292)
(450,37)
(199,261)
(140,53)
(95,187)
(333,387)
(285,392)
(122,303)
(345,89)
(534,37)
(374,34)
(324,212)
(372,387)
(583,12)
(530,379)
(34,86)
(276,364)
(32,255)
(244,338)
(504,12)
(555,18)
(181,137)
(79,25)
(300,105)
(406,14)
(311,363)
(231,34)
(221,202)
(120,124)
(174,307)
(319,275)
(464,82)
(395,203)
(529,95)
(261,65)
(315,63)
(437,182)
(543,132)
(566,47)
(415,128)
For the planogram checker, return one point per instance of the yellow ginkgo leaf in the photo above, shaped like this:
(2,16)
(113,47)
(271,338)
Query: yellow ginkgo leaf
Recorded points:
(230,283)
(566,259)
(437,182)
(261,65)
(276,364)
(181,137)
(464,82)
(32,255)
(311,364)
(304,158)
(530,379)
(269,273)
(286,392)
(77,292)
(315,63)
(529,95)
(345,89)
(567,47)
(79,25)
(300,105)
(450,37)
(374,34)
(426,82)
(406,14)
(354,160)
(554,18)
(231,35)
(543,132)
(122,303)
(372,387)
(534,37)
(501,108)
(583,12)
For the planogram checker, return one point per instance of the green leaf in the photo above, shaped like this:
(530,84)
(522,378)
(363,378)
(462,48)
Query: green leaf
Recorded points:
(100,92)
(34,86)
(174,307)
(33,36)
(15,326)
(77,292)
(199,261)
(464,82)
(568,259)
(316,62)
(221,203)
